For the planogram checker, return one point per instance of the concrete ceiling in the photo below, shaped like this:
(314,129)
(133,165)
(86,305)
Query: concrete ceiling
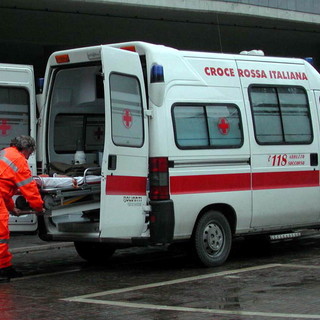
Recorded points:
(31,30)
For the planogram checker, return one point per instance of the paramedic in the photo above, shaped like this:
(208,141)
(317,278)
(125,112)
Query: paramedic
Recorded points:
(15,174)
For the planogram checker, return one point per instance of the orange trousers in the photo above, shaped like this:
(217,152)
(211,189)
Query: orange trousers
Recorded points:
(5,255)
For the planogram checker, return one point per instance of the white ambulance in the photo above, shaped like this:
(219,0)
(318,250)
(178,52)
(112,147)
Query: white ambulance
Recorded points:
(18,117)
(192,146)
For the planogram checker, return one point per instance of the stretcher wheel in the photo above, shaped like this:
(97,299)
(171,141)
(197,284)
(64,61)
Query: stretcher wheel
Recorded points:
(94,252)
(49,202)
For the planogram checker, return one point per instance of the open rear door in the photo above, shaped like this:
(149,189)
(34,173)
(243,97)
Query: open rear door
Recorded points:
(125,158)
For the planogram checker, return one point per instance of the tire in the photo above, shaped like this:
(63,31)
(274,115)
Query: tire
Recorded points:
(212,239)
(94,252)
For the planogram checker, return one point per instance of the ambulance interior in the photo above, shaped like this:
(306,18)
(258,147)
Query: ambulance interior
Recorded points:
(76,125)
(76,116)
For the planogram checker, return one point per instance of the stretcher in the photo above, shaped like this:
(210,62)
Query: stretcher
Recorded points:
(60,191)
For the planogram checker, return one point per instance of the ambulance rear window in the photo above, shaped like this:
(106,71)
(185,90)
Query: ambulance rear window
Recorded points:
(281,115)
(14,114)
(126,111)
(74,132)
(207,126)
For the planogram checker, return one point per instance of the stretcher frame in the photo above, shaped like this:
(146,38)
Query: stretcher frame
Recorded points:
(55,197)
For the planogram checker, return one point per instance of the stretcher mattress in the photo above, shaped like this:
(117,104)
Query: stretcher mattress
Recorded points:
(59,182)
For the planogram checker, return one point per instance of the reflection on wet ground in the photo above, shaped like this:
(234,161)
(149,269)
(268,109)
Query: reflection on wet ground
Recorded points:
(278,280)
(268,290)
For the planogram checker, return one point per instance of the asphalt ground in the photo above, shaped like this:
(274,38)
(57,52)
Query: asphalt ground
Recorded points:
(22,243)
(277,281)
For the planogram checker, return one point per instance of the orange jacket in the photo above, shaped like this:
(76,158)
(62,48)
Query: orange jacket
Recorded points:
(15,174)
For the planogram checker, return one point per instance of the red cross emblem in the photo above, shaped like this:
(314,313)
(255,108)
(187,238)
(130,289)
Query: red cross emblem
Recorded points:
(223,126)
(4,127)
(99,133)
(127,118)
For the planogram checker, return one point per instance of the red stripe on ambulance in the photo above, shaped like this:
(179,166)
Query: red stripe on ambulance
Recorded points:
(242,182)
(126,185)
(210,183)
(291,179)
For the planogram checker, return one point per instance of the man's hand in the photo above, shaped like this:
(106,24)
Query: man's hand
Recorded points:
(39,213)
(16,212)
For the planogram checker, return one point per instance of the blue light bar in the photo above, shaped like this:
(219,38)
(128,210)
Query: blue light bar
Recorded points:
(310,60)
(157,73)
(39,85)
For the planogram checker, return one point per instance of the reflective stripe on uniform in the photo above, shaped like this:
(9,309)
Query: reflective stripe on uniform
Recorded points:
(9,163)
(24,182)
(4,241)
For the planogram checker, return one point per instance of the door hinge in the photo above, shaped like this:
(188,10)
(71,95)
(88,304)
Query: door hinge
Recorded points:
(146,208)
(148,113)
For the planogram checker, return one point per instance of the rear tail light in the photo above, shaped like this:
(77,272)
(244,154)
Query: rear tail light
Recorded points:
(63,58)
(159,178)
(129,48)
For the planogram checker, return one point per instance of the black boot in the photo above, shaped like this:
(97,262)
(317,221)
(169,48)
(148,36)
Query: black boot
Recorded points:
(10,272)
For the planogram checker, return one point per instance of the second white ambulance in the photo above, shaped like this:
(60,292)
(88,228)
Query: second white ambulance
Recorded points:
(18,117)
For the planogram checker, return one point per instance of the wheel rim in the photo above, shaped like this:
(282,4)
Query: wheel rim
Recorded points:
(213,239)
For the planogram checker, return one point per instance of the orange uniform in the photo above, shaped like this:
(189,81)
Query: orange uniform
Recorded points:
(14,174)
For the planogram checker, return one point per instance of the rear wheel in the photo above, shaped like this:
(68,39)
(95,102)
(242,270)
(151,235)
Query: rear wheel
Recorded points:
(94,252)
(212,239)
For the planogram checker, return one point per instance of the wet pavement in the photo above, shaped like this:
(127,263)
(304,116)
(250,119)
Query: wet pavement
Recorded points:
(260,281)
(21,243)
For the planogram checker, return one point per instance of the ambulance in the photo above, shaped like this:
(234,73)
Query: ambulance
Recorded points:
(18,117)
(177,146)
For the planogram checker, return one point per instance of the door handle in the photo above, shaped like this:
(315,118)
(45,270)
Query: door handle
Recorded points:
(112,162)
(313,159)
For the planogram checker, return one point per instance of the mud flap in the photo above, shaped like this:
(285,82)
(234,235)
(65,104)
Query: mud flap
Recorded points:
(161,222)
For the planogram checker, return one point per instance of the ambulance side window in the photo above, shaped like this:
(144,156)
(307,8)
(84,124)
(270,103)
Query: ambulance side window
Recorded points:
(14,114)
(126,111)
(281,115)
(207,126)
